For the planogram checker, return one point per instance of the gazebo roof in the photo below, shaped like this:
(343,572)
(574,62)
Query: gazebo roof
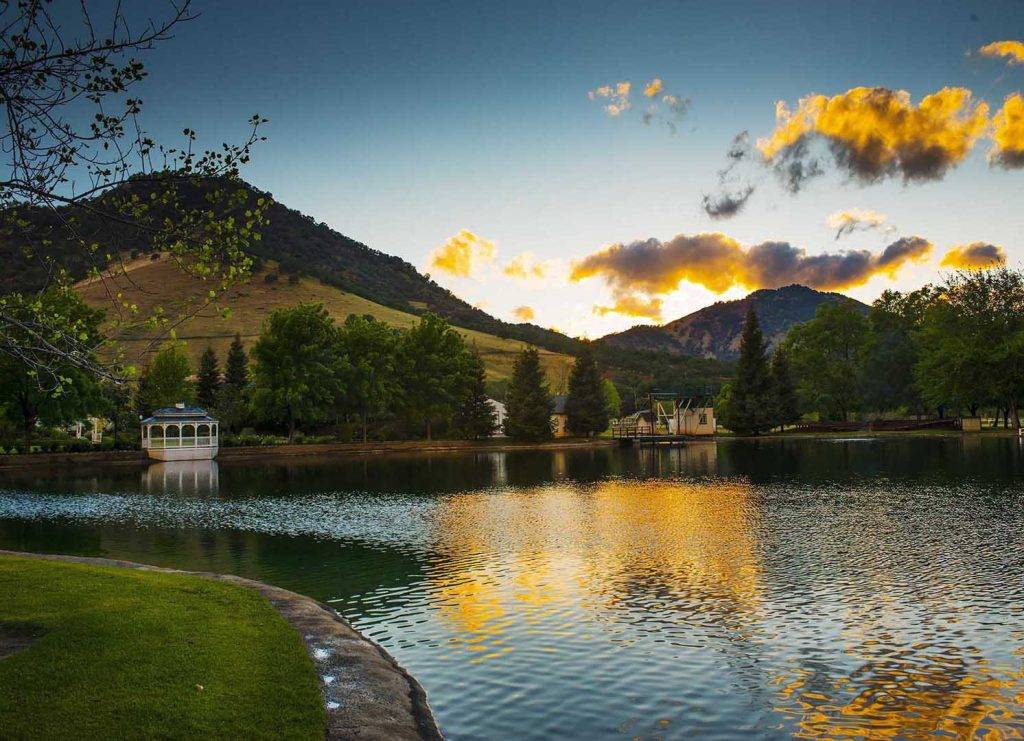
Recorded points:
(179,413)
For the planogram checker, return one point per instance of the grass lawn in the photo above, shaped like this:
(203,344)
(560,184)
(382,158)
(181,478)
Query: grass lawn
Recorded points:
(122,653)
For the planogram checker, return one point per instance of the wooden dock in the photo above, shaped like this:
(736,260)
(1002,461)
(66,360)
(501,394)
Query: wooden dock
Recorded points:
(628,434)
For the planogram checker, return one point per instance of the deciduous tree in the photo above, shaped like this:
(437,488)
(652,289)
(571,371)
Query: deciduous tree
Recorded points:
(297,366)
(165,380)
(432,367)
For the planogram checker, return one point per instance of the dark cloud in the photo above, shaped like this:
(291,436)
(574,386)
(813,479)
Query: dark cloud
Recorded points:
(725,204)
(719,262)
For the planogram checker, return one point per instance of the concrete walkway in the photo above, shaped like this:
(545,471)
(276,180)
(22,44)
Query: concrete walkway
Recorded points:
(367,694)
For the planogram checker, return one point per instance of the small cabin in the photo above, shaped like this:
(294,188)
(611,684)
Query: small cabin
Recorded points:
(180,433)
(559,419)
(696,416)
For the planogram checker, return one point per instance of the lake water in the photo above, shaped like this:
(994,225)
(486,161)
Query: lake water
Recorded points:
(774,588)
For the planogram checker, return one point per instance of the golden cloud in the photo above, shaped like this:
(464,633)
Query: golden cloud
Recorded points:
(617,97)
(853,220)
(877,132)
(1012,50)
(719,262)
(653,87)
(524,313)
(974,256)
(526,267)
(630,304)
(461,254)
(1008,134)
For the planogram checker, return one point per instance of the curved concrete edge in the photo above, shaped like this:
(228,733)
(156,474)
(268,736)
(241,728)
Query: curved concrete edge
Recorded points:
(367,694)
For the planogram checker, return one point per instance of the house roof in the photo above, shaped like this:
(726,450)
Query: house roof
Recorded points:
(179,413)
(558,403)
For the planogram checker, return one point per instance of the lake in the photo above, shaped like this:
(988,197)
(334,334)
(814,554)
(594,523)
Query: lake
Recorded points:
(777,588)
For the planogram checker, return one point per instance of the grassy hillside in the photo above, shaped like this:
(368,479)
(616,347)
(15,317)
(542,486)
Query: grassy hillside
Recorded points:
(150,283)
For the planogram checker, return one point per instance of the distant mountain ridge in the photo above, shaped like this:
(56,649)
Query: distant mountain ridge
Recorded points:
(714,331)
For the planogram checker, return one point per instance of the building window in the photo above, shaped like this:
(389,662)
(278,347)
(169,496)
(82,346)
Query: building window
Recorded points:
(703,418)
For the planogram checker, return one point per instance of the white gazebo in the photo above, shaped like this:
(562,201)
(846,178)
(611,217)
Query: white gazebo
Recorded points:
(180,433)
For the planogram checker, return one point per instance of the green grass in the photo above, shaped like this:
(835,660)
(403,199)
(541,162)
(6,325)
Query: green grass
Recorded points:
(121,654)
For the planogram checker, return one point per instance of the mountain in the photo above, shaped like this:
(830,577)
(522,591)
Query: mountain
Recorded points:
(298,259)
(714,331)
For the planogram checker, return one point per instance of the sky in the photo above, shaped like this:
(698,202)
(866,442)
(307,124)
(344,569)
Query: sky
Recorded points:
(490,145)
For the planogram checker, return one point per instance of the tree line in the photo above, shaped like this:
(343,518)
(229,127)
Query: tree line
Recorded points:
(360,379)
(944,350)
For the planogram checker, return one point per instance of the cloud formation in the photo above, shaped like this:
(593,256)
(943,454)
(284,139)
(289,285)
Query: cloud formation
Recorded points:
(726,204)
(461,254)
(630,304)
(875,133)
(733,192)
(1013,51)
(719,262)
(615,98)
(667,108)
(974,256)
(855,220)
(1008,134)
(526,267)
(524,313)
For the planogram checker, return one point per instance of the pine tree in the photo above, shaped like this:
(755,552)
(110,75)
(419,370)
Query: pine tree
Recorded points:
(750,406)
(586,407)
(528,401)
(474,416)
(786,410)
(236,373)
(208,379)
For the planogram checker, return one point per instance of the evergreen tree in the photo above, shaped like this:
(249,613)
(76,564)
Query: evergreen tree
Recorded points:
(474,416)
(208,379)
(785,409)
(528,402)
(586,406)
(165,381)
(748,407)
(236,372)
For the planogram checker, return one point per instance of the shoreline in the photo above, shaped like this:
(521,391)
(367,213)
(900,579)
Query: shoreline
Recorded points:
(273,452)
(366,692)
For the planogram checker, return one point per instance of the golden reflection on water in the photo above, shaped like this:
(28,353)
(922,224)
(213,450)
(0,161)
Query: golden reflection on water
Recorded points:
(556,551)
(549,561)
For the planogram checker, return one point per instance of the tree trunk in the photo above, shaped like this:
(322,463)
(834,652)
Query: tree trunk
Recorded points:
(291,427)
(1015,413)
(364,428)
(428,428)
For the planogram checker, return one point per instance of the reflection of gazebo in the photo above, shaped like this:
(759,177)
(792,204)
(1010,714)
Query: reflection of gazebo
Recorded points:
(180,433)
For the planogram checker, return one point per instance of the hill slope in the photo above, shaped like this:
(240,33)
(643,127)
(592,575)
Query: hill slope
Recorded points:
(714,331)
(150,283)
(296,242)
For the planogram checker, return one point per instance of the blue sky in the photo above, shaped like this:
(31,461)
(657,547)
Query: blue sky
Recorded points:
(400,124)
